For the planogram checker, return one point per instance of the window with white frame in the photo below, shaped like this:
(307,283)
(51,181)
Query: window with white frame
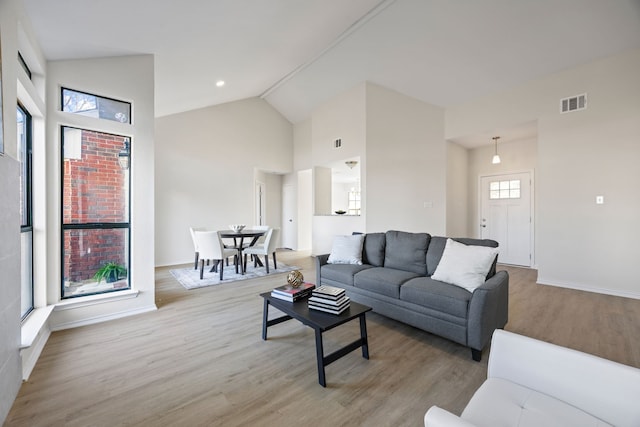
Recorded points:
(508,189)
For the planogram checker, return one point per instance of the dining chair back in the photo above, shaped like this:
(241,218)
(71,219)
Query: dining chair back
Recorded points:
(267,248)
(211,247)
(264,228)
(193,230)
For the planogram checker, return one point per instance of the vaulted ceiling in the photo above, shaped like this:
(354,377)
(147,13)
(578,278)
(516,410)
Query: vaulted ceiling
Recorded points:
(298,53)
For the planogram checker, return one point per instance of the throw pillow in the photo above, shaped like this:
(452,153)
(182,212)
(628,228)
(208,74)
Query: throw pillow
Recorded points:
(464,265)
(346,250)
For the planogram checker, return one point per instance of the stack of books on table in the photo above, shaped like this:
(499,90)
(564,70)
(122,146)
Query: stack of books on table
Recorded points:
(291,294)
(329,299)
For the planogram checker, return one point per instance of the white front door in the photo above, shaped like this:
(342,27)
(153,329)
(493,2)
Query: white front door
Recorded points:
(506,216)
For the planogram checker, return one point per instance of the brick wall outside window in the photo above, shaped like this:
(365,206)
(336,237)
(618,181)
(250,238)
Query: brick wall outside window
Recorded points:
(95,191)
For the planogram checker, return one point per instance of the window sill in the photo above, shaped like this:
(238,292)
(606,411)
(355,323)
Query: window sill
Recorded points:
(33,324)
(95,299)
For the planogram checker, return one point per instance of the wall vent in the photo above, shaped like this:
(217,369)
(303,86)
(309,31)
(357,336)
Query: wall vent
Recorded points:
(337,143)
(573,103)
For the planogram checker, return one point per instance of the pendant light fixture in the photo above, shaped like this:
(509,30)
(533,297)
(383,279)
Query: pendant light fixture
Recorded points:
(496,158)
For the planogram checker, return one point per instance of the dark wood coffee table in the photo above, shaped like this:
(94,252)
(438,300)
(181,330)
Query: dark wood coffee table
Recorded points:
(319,322)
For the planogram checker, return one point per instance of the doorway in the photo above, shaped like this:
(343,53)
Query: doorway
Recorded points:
(506,215)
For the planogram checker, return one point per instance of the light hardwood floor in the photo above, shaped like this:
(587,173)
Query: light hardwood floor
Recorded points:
(200,360)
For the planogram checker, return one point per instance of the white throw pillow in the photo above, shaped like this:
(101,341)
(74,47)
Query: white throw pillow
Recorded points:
(347,250)
(463,265)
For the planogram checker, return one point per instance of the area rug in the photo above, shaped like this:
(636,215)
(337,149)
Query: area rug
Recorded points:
(190,278)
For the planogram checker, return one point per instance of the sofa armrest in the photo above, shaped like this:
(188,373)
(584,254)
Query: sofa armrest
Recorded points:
(320,261)
(603,388)
(438,417)
(488,310)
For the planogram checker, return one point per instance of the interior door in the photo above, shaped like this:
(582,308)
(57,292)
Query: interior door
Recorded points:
(506,216)
(289,223)
(259,203)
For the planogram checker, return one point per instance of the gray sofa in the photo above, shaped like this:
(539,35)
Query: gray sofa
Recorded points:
(394,279)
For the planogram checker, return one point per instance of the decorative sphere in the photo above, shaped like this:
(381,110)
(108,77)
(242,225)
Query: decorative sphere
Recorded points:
(295,278)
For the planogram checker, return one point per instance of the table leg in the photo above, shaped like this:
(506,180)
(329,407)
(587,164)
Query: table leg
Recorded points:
(320,358)
(265,316)
(363,336)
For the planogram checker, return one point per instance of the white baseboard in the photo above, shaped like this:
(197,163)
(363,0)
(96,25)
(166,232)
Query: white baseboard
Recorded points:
(579,287)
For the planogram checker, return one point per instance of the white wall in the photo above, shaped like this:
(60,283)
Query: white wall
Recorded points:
(580,155)
(303,181)
(406,163)
(11,17)
(457,190)
(205,162)
(342,117)
(273,202)
(129,79)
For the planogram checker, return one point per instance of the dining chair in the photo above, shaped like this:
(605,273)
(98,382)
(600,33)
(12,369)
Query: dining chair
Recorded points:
(210,247)
(267,248)
(195,243)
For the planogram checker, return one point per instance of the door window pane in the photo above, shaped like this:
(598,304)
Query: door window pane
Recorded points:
(504,189)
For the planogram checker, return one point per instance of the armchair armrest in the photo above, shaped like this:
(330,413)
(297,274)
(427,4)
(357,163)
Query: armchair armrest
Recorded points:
(603,388)
(320,261)
(438,417)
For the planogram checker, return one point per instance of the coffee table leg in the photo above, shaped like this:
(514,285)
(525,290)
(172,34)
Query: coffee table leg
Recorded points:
(363,335)
(265,316)
(320,358)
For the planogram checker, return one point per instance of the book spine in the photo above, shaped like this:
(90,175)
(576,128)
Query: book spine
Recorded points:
(290,298)
(340,301)
(327,310)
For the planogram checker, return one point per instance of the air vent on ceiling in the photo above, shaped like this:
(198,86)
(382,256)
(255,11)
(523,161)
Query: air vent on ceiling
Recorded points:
(337,143)
(573,103)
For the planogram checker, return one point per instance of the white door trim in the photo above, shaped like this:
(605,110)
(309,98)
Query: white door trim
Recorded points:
(259,202)
(531,173)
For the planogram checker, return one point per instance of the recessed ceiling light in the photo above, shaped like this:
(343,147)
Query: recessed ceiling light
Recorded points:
(220,83)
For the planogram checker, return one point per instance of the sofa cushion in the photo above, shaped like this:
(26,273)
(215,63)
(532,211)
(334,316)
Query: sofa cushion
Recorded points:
(373,251)
(346,249)
(436,248)
(382,280)
(436,295)
(465,265)
(499,402)
(406,251)
(342,273)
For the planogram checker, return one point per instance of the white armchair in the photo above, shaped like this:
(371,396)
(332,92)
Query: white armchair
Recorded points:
(535,383)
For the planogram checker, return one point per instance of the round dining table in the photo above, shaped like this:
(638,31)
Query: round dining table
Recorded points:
(254,235)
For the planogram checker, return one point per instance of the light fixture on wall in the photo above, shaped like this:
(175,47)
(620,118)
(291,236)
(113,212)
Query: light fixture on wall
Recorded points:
(496,158)
(123,155)
(351,163)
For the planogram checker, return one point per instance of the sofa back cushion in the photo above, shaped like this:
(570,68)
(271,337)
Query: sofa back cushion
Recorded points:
(406,251)
(373,250)
(436,248)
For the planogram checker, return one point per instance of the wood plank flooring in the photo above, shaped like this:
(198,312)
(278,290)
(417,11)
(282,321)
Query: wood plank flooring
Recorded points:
(200,360)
